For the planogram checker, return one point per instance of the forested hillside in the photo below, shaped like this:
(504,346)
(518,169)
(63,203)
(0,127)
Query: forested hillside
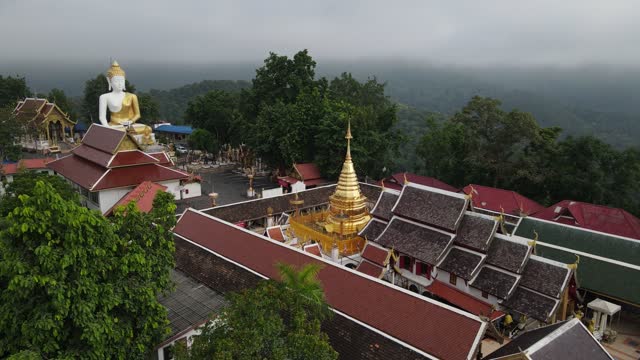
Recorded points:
(173,103)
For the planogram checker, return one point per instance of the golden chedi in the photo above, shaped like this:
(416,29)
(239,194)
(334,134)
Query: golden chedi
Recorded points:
(348,212)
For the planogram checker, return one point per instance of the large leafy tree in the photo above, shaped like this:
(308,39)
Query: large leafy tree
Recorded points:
(217,112)
(202,139)
(93,88)
(65,104)
(10,130)
(75,285)
(149,110)
(275,320)
(24,183)
(13,89)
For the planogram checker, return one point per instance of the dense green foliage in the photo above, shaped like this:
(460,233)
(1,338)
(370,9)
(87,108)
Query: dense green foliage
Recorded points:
(172,104)
(76,285)
(12,90)
(65,104)
(217,112)
(10,130)
(149,109)
(275,320)
(24,183)
(203,140)
(484,145)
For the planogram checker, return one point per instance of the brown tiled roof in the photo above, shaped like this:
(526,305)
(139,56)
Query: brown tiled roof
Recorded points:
(476,231)
(532,304)
(370,269)
(308,171)
(544,277)
(82,172)
(423,243)
(506,254)
(375,254)
(103,138)
(430,207)
(383,207)
(449,334)
(134,157)
(373,229)
(162,157)
(256,209)
(134,175)
(494,282)
(32,105)
(313,249)
(92,154)
(461,263)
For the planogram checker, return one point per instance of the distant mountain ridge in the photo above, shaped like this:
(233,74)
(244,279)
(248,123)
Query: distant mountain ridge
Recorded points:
(173,103)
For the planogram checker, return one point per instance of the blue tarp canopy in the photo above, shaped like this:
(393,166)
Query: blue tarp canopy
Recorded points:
(174,129)
(80,127)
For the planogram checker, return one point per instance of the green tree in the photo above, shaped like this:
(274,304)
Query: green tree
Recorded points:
(275,320)
(93,88)
(217,112)
(73,284)
(24,183)
(201,139)
(10,130)
(149,112)
(65,104)
(13,89)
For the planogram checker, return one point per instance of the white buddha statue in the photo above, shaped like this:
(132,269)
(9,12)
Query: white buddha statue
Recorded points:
(123,106)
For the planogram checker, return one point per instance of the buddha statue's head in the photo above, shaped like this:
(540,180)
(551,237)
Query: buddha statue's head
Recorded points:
(116,77)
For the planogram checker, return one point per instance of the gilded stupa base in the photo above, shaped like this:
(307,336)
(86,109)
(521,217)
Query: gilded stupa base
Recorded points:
(313,227)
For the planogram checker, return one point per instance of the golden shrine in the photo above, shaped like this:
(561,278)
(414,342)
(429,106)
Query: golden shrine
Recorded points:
(338,226)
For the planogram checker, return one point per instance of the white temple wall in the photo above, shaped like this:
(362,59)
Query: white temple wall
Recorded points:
(191,190)
(110,197)
(173,187)
(269,193)
(478,294)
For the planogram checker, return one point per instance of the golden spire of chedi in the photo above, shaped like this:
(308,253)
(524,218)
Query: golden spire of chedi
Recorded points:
(348,211)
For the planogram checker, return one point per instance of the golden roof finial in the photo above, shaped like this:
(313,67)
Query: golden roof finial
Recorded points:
(115,70)
(405,178)
(348,137)
(382,182)
(534,241)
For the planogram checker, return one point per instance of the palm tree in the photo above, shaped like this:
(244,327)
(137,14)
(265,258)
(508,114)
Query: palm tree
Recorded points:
(304,284)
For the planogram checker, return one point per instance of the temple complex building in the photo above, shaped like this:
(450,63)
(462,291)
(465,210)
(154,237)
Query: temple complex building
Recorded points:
(46,125)
(109,164)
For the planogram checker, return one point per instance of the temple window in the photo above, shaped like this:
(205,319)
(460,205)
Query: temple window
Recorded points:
(485,294)
(405,263)
(453,279)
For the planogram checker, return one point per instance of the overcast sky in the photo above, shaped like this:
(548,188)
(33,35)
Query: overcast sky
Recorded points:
(474,32)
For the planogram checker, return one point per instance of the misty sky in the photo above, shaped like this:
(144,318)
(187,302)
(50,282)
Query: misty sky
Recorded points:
(489,32)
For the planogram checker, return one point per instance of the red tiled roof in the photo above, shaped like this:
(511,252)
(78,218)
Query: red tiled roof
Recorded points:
(162,157)
(46,109)
(134,175)
(396,181)
(83,172)
(370,269)
(31,105)
(423,324)
(593,217)
(286,180)
(307,171)
(463,300)
(313,249)
(103,138)
(495,199)
(129,158)
(276,233)
(92,154)
(29,164)
(142,195)
(375,254)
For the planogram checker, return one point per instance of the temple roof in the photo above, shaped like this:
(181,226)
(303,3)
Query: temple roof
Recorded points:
(532,303)
(500,284)
(451,334)
(375,254)
(545,276)
(431,206)
(568,340)
(142,195)
(397,180)
(104,138)
(462,263)
(27,164)
(497,200)
(373,229)
(386,201)
(508,253)
(476,231)
(424,243)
